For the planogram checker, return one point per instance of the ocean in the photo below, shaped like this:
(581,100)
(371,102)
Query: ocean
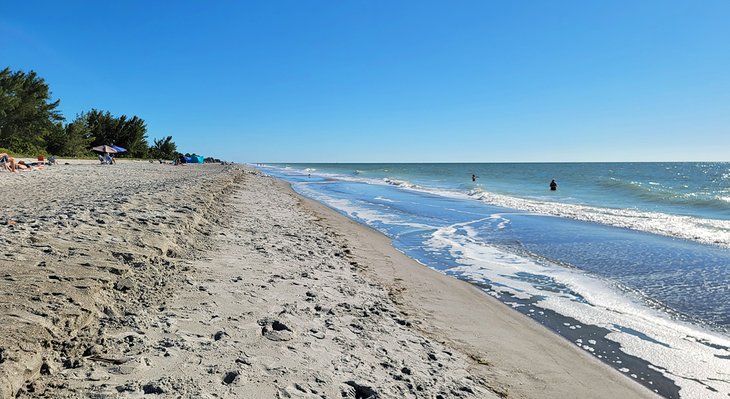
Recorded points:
(629,261)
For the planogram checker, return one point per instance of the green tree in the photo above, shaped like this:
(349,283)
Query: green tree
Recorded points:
(133,137)
(27,115)
(78,137)
(9,86)
(102,126)
(55,140)
(73,140)
(164,148)
(129,133)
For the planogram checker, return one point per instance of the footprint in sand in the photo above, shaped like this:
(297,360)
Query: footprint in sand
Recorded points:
(275,330)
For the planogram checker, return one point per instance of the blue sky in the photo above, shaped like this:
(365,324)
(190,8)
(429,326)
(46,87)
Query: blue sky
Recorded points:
(393,81)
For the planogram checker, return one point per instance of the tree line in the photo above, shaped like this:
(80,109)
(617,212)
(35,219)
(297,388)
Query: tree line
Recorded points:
(31,124)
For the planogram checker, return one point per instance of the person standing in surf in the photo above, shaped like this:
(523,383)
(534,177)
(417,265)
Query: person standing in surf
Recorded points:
(473,177)
(553,185)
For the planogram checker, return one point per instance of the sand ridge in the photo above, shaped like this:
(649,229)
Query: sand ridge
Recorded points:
(87,249)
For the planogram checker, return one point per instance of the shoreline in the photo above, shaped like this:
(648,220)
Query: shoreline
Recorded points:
(521,357)
(643,304)
(223,281)
(711,230)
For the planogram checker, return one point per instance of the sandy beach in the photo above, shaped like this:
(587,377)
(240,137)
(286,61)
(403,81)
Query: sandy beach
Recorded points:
(211,281)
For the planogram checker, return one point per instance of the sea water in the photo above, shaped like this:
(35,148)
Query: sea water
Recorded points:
(629,261)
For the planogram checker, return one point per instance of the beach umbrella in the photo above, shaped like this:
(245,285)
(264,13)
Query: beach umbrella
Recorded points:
(105,149)
(119,149)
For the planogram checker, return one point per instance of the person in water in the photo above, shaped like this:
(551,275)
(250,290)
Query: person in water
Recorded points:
(553,185)
(473,177)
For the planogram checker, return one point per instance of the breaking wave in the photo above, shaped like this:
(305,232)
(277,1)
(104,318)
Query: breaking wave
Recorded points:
(707,231)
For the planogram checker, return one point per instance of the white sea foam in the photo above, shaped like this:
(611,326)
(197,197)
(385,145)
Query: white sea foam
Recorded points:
(707,231)
(401,183)
(680,351)
(694,359)
(368,216)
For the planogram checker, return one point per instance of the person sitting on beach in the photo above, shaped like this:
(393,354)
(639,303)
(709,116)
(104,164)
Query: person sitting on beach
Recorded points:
(108,159)
(8,162)
(553,185)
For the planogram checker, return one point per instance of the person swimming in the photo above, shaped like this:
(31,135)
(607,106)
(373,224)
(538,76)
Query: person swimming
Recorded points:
(553,185)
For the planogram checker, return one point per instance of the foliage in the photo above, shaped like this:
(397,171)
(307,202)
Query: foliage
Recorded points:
(55,140)
(128,133)
(164,149)
(30,124)
(78,137)
(73,140)
(27,116)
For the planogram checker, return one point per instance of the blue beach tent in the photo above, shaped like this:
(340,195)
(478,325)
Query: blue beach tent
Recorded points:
(194,159)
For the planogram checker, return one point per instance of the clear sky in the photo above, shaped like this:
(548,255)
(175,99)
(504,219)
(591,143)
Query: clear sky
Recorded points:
(393,81)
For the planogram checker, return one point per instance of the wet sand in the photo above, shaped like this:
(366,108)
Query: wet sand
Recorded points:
(212,281)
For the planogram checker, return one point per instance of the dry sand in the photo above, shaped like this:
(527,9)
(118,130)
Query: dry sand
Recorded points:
(140,279)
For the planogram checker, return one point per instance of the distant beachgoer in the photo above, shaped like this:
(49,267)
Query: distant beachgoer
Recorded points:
(553,185)
(473,177)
